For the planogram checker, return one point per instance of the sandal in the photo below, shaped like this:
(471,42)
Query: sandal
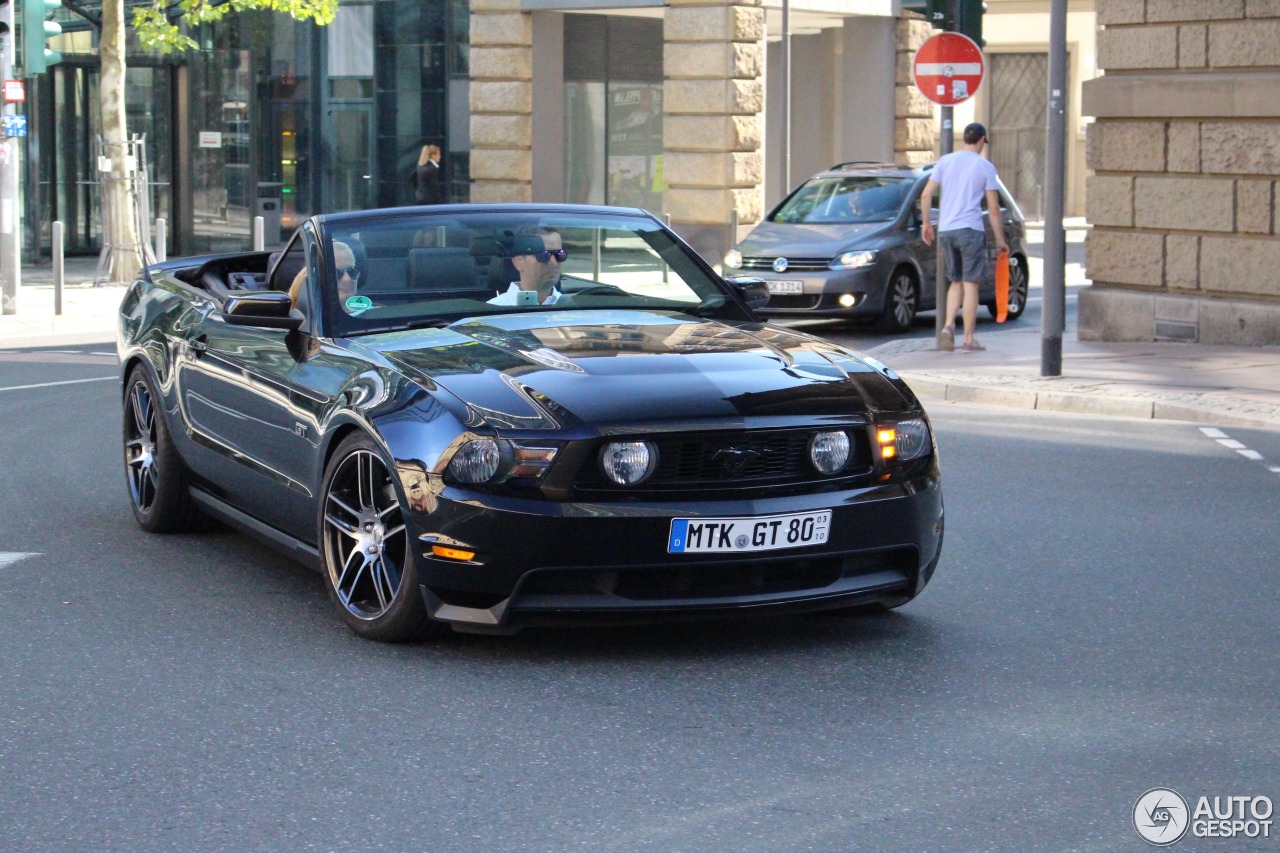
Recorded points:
(947,340)
(973,347)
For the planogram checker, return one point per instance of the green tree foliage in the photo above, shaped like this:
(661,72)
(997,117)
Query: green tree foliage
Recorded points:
(156,28)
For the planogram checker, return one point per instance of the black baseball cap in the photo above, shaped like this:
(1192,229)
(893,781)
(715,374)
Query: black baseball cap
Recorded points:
(974,132)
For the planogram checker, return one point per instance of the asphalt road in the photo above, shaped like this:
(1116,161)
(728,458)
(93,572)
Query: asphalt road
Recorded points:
(1102,623)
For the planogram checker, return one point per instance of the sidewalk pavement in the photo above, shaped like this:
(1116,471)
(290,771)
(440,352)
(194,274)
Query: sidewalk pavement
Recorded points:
(1221,385)
(88,312)
(1189,382)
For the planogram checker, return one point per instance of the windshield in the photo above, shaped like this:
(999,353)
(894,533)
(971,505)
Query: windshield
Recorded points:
(845,199)
(403,270)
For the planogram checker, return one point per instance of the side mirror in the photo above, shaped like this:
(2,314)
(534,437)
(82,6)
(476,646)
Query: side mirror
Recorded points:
(754,291)
(267,309)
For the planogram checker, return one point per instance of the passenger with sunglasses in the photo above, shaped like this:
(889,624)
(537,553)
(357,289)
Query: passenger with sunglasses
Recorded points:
(347,275)
(537,256)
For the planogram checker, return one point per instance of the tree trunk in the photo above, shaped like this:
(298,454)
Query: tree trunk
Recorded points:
(119,228)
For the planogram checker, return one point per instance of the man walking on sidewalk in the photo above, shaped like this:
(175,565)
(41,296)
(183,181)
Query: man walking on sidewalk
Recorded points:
(965,176)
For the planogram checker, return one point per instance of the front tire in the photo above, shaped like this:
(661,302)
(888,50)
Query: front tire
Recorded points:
(156,476)
(901,302)
(365,547)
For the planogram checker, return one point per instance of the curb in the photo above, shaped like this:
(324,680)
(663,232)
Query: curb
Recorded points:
(52,338)
(1082,404)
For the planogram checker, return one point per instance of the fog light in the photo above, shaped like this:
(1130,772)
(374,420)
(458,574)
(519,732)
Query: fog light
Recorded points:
(829,451)
(627,463)
(847,300)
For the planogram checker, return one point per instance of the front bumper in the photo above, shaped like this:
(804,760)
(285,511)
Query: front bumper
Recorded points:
(823,289)
(546,563)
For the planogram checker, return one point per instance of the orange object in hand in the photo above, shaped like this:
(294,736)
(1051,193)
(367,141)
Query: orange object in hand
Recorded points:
(1002,286)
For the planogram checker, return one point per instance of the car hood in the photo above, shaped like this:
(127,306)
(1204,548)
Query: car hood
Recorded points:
(814,240)
(626,368)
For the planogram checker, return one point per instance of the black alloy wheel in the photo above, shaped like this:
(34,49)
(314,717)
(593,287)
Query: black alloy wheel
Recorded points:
(901,302)
(156,477)
(365,547)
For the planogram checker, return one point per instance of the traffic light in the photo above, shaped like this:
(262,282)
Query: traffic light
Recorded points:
(969,19)
(36,32)
(939,13)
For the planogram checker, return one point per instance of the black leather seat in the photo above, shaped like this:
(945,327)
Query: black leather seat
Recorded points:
(281,278)
(447,272)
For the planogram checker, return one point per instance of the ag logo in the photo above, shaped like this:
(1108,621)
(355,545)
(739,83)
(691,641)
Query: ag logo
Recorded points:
(1161,816)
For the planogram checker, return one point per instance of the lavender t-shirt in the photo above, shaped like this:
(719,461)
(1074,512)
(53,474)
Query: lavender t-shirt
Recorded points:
(964,177)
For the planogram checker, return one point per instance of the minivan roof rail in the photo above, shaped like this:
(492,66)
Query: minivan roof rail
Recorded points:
(854,164)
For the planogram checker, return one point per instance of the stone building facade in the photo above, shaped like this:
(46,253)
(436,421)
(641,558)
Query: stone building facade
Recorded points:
(1185,153)
(852,98)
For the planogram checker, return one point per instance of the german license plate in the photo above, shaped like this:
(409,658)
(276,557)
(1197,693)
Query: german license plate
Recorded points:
(785,286)
(757,533)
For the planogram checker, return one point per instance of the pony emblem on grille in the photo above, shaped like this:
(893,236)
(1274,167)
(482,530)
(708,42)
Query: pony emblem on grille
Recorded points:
(734,460)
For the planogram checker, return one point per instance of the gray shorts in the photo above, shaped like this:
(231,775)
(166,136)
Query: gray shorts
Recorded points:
(966,253)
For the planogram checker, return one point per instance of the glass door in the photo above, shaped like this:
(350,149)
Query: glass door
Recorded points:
(350,133)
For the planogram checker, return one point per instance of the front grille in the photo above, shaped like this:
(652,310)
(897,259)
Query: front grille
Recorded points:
(729,460)
(711,580)
(795,302)
(793,264)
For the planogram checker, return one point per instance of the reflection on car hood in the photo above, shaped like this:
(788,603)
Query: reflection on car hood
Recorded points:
(813,240)
(616,368)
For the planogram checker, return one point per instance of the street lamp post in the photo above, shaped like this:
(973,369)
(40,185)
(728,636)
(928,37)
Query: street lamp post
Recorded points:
(1053,320)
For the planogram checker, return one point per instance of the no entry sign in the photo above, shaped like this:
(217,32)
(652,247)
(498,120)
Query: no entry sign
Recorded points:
(948,68)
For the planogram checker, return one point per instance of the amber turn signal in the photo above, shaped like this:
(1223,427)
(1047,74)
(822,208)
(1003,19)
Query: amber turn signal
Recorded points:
(452,553)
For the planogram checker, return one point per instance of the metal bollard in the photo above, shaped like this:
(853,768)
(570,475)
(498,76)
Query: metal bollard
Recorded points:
(162,239)
(259,233)
(57,258)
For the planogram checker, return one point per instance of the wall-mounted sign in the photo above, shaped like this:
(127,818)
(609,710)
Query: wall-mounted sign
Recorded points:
(15,125)
(14,92)
(210,139)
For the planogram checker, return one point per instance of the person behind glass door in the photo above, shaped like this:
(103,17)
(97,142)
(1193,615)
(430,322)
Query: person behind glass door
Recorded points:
(537,256)
(428,179)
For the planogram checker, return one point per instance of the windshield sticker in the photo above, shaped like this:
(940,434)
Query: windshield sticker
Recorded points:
(358,303)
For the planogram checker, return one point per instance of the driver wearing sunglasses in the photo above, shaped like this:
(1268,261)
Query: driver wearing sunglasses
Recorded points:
(537,257)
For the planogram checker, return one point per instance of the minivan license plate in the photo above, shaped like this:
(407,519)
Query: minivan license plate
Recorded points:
(757,533)
(785,286)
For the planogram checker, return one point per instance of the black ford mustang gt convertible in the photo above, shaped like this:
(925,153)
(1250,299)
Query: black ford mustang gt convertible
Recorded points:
(491,416)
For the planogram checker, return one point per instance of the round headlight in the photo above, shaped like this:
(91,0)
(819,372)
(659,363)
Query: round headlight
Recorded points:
(733,259)
(476,461)
(912,439)
(829,451)
(628,462)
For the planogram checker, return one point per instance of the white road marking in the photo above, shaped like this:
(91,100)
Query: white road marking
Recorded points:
(8,558)
(102,353)
(64,382)
(1223,439)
